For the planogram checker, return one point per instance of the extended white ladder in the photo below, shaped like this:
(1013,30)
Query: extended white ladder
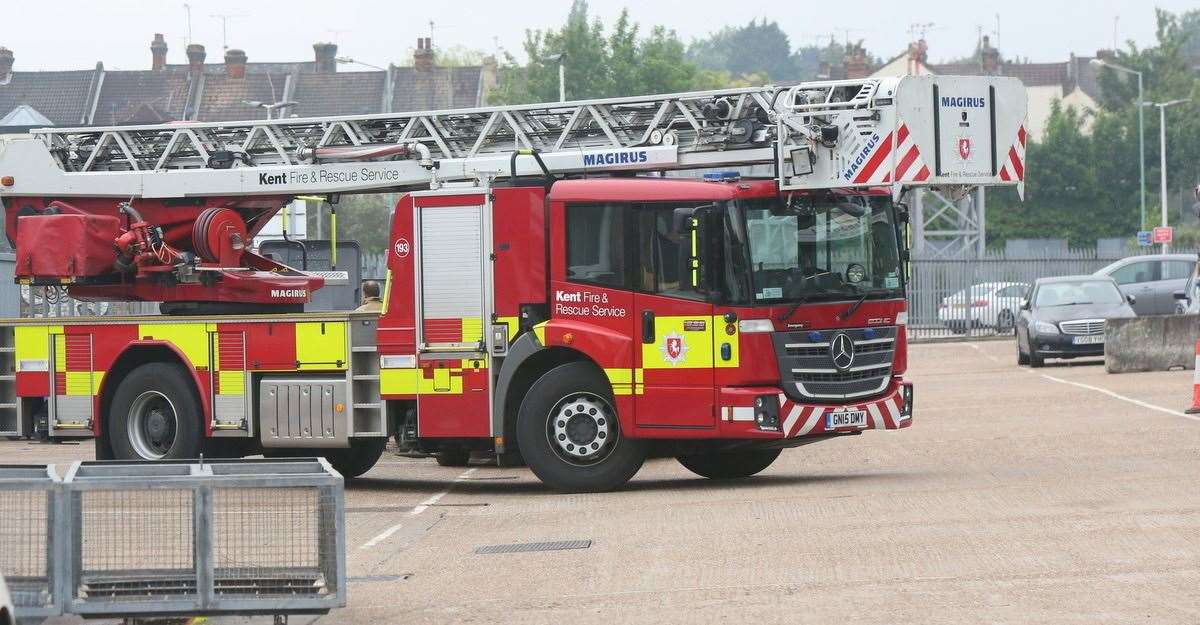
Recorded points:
(832,120)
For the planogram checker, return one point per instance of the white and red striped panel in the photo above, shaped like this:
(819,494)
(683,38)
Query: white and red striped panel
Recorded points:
(806,420)
(910,167)
(1014,163)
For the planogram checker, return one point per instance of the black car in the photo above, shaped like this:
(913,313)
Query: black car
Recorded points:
(1064,317)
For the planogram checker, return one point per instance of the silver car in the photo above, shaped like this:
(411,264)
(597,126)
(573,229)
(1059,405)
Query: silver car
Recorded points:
(1152,280)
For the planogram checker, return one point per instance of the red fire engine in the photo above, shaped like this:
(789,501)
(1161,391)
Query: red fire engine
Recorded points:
(556,292)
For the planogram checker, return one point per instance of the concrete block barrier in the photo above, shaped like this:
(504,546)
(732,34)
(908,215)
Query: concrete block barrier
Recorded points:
(1154,343)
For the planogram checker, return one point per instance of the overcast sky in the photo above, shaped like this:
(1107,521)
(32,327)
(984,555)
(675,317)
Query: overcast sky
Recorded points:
(61,34)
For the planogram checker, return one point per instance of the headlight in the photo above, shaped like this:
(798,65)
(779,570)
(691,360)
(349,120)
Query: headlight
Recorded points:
(1045,327)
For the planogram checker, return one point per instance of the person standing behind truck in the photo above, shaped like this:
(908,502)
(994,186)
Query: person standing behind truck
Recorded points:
(371,301)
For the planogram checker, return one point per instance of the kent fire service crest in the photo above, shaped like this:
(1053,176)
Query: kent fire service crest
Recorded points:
(964,148)
(674,349)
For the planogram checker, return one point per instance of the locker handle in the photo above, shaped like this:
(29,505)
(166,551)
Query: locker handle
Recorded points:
(647,326)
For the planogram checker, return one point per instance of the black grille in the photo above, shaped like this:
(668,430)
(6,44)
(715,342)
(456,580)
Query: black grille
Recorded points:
(808,373)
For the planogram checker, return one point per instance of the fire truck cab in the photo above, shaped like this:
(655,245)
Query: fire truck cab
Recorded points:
(634,315)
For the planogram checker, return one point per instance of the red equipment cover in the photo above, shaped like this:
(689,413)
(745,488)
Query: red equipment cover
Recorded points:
(66,246)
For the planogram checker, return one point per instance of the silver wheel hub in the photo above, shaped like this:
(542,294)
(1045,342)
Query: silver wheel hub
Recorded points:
(152,425)
(582,426)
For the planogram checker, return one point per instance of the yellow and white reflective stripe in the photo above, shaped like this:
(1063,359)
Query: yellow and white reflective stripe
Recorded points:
(513,323)
(33,346)
(190,338)
(625,381)
(472,329)
(413,382)
(321,345)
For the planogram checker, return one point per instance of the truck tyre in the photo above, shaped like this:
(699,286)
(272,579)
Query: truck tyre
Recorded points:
(358,459)
(729,465)
(569,434)
(453,458)
(155,415)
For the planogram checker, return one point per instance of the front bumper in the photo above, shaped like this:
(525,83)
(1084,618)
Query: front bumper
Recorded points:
(738,413)
(1061,346)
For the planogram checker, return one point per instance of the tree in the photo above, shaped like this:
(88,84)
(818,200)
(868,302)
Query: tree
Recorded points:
(1084,185)
(598,65)
(757,47)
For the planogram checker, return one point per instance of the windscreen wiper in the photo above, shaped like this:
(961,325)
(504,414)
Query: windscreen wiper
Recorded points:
(854,307)
(791,311)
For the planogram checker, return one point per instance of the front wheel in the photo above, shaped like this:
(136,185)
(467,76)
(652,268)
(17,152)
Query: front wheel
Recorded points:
(569,435)
(1005,322)
(155,415)
(729,465)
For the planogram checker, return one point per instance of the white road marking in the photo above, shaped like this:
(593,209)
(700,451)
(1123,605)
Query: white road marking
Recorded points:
(1121,397)
(421,507)
(1113,394)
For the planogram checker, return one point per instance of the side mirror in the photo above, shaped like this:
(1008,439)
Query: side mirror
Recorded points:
(1024,304)
(1131,299)
(1180,295)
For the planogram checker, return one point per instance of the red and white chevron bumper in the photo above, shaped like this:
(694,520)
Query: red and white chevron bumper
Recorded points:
(885,413)
(741,408)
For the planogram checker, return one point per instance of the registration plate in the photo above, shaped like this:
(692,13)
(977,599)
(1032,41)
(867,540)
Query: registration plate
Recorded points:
(1088,340)
(846,419)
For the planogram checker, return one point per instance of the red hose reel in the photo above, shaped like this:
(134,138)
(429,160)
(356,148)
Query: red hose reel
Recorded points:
(219,236)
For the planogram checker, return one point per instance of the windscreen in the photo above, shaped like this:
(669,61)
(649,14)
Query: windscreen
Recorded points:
(820,249)
(1102,292)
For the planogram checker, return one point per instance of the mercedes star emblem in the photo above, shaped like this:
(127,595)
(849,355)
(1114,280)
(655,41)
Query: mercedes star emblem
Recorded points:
(841,352)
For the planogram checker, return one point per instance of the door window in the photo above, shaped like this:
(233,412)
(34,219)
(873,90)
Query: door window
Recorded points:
(1178,269)
(1135,273)
(669,250)
(596,244)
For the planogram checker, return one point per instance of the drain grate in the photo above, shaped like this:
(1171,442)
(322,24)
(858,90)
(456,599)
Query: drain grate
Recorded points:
(367,579)
(524,547)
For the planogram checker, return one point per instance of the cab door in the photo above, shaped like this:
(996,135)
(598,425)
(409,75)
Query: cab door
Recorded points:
(674,320)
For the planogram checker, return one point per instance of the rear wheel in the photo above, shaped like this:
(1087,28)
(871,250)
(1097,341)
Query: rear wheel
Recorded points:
(155,415)
(359,458)
(569,435)
(729,465)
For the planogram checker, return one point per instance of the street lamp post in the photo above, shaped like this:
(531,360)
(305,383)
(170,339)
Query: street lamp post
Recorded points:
(1162,148)
(1141,135)
(561,58)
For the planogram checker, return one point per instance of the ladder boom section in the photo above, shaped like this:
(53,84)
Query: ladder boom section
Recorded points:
(834,126)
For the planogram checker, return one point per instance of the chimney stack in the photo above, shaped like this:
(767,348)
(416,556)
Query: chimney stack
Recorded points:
(325,55)
(6,63)
(918,53)
(856,61)
(989,57)
(195,57)
(423,56)
(235,63)
(158,53)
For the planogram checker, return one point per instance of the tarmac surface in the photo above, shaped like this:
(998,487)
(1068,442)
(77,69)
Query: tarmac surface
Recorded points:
(1058,495)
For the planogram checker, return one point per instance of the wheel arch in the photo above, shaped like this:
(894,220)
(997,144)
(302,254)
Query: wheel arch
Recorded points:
(527,361)
(140,353)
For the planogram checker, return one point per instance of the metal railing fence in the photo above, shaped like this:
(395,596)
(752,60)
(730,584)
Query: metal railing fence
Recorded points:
(980,297)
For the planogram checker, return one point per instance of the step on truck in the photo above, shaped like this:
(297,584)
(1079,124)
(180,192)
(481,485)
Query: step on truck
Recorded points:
(714,276)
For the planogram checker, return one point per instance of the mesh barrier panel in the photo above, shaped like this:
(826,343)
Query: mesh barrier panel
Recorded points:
(272,541)
(142,535)
(24,545)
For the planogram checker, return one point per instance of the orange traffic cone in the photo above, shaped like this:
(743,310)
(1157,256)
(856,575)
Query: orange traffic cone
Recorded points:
(1195,409)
